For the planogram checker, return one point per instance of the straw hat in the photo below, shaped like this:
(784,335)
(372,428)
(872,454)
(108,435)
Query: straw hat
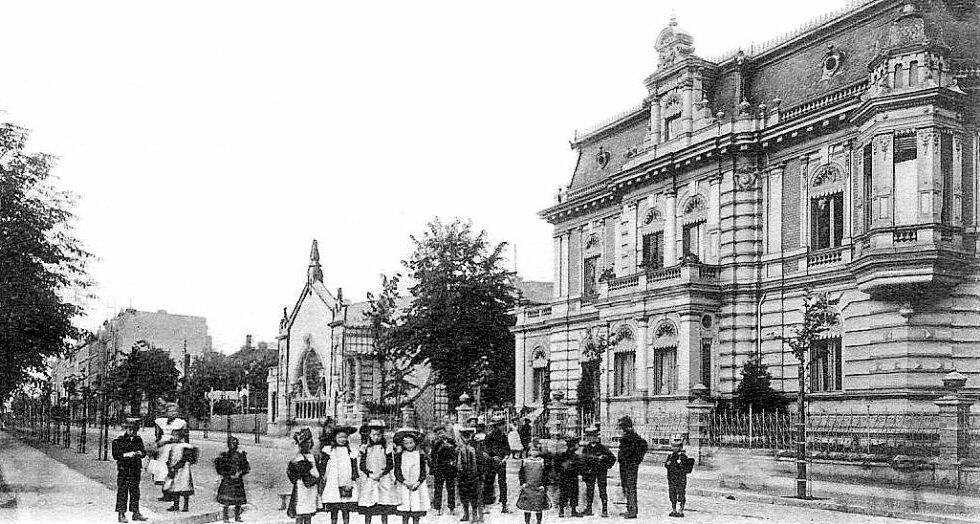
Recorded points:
(407,432)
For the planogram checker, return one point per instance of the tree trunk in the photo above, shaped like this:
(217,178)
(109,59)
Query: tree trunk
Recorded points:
(801,434)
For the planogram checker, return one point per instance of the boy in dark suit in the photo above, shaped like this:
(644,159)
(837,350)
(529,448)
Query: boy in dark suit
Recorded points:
(128,452)
(678,466)
(596,461)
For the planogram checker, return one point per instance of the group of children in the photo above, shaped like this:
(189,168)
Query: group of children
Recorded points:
(374,479)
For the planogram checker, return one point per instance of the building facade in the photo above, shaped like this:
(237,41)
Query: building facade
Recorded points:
(841,158)
(326,367)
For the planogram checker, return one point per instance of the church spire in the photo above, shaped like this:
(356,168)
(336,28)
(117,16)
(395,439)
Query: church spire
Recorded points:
(315,272)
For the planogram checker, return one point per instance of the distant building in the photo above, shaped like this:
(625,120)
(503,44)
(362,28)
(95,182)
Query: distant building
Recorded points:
(182,336)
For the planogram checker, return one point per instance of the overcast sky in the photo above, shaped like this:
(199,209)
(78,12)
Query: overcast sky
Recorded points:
(210,142)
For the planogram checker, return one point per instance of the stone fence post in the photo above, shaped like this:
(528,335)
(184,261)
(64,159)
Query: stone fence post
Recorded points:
(954,436)
(699,410)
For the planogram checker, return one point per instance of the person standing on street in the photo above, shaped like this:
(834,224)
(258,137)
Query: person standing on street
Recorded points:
(533,480)
(166,428)
(569,466)
(338,471)
(596,461)
(498,447)
(678,466)
(377,494)
(525,433)
(128,452)
(410,474)
(443,470)
(469,475)
(180,482)
(631,450)
(232,465)
(302,472)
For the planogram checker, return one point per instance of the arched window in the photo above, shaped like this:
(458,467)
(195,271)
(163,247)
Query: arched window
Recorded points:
(913,73)
(665,358)
(624,365)
(312,373)
(694,230)
(653,239)
(900,79)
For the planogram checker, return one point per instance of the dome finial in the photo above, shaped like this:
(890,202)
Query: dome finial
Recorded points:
(673,17)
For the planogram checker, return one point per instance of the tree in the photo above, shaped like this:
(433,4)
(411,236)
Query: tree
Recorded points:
(255,363)
(818,317)
(388,348)
(595,347)
(146,373)
(459,320)
(41,262)
(755,389)
(211,370)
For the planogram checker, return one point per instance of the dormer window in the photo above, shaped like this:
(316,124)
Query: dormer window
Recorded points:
(672,125)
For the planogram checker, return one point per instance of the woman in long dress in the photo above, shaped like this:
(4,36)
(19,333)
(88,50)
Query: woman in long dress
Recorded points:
(338,466)
(378,495)
(164,429)
(304,501)
(180,482)
(410,473)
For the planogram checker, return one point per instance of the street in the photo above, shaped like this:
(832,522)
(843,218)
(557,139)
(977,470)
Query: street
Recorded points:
(85,491)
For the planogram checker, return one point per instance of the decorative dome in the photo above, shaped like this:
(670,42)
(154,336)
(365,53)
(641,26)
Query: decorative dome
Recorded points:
(910,29)
(673,43)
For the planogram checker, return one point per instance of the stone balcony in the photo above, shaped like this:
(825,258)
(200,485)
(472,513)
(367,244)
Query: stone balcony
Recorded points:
(661,278)
(913,259)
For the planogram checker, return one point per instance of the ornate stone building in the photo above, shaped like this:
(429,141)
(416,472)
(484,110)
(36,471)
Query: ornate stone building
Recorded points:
(840,158)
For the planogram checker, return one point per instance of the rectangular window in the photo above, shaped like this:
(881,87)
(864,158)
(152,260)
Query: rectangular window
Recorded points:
(694,239)
(868,187)
(671,127)
(653,250)
(826,373)
(537,384)
(590,277)
(827,221)
(706,362)
(664,371)
(624,373)
(913,73)
(946,165)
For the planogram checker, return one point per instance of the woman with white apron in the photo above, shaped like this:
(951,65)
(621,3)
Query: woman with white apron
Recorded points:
(164,431)
(339,475)
(302,472)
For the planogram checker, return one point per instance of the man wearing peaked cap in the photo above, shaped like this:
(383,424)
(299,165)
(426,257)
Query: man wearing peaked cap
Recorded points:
(498,448)
(596,461)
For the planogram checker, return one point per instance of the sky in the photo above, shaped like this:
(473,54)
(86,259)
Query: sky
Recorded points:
(211,142)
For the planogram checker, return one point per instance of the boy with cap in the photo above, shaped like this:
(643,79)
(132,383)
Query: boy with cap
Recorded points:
(569,467)
(678,466)
(469,476)
(444,470)
(596,461)
(128,452)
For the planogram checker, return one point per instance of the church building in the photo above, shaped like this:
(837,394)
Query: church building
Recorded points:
(326,367)
(839,158)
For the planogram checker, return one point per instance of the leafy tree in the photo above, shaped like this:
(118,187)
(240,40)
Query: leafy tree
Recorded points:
(755,389)
(388,347)
(255,363)
(41,262)
(211,370)
(459,320)
(146,373)
(587,390)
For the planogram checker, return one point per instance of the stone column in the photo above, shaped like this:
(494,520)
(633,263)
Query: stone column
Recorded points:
(714,220)
(775,202)
(642,371)
(687,107)
(464,410)
(655,120)
(954,436)
(699,410)
(957,215)
(685,352)
(556,289)
(670,229)
(520,370)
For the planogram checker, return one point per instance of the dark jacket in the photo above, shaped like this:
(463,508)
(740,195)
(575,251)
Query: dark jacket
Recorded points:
(678,464)
(596,459)
(497,444)
(128,467)
(525,433)
(569,465)
(631,449)
(444,455)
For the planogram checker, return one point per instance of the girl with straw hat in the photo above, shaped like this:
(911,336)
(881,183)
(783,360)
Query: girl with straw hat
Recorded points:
(378,495)
(410,473)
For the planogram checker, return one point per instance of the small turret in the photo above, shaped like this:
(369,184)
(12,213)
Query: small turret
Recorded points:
(315,272)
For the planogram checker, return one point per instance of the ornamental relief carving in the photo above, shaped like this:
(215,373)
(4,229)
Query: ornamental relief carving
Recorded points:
(746,179)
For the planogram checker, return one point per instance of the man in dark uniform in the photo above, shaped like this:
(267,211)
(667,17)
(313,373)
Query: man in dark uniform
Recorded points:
(631,450)
(498,448)
(128,452)
(596,461)
(569,466)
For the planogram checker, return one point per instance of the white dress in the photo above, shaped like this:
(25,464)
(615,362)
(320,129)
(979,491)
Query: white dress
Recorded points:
(158,466)
(307,498)
(381,491)
(417,501)
(339,472)
(182,482)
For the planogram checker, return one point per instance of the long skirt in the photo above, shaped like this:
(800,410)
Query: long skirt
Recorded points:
(231,492)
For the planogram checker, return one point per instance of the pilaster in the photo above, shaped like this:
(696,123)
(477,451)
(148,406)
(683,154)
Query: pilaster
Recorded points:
(670,228)
(642,350)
